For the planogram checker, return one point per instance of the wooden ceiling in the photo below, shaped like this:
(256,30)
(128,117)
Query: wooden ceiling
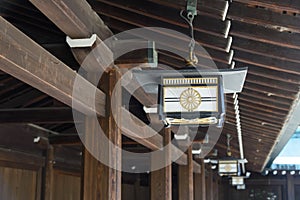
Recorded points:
(263,35)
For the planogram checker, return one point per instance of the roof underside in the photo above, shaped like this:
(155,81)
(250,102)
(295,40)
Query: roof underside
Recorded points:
(263,35)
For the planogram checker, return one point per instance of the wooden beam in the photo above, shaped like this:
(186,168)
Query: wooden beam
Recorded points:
(67,15)
(265,49)
(280,85)
(283,5)
(143,21)
(24,59)
(76,19)
(263,108)
(286,132)
(22,99)
(186,180)
(265,35)
(262,112)
(127,8)
(213,8)
(10,84)
(260,120)
(251,122)
(17,159)
(144,55)
(161,180)
(268,73)
(275,99)
(177,63)
(241,12)
(205,39)
(267,62)
(265,132)
(63,15)
(67,139)
(148,137)
(44,115)
(265,104)
(268,91)
(20,17)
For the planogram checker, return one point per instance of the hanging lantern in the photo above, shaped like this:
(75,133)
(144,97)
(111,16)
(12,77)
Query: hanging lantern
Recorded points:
(228,167)
(192,100)
(237,180)
(191,96)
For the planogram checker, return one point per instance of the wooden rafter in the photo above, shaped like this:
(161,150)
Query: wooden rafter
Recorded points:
(24,59)
(72,8)
(241,12)
(53,115)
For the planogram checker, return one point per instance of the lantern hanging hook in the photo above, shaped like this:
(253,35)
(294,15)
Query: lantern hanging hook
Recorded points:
(229,138)
(192,60)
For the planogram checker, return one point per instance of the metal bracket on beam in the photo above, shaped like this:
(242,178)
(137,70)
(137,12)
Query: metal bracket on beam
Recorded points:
(181,136)
(152,54)
(196,148)
(83,42)
(150,110)
(191,8)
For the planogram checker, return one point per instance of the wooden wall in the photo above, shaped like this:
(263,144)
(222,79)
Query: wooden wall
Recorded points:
(18,184)
(23,168)
(258,187)
(134,192)
(66,186)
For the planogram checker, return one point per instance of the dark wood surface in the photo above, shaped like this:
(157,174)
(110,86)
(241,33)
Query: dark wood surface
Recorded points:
(58,115)
(161,180)
(268,47)
(186,179)
(36,66)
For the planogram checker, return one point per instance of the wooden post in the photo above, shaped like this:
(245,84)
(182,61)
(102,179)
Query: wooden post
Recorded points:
(137,186)
(89,176)
(186,179)
(39,184)
(290,187)
(161,180)
(197,186)
(48,174)
(100,181)
(216,185)
(209,184)
(199,183)
(110,182)
(203,181)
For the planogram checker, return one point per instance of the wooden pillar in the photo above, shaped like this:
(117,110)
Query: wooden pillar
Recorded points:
(137,185)
(290,187)
(197,186)
(203,180)
(186,179)
(216,185)
(100,182)
(161,180)
(48,174)
(209,185)
(200,183)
